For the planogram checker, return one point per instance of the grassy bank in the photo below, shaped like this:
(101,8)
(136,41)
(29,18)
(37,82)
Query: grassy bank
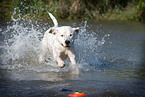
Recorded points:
(74,9)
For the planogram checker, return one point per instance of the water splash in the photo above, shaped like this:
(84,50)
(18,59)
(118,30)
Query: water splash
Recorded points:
(87,48)
(22,43)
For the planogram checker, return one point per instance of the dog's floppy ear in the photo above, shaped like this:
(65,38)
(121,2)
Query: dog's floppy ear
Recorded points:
(76,29)
(52,31)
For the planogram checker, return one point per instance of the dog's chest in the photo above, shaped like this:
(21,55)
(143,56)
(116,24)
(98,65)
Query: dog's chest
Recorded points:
(63,55)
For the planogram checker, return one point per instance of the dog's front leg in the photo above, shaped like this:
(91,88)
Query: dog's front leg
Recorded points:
(43,52)
(60,62)
(72,57)
(57,57)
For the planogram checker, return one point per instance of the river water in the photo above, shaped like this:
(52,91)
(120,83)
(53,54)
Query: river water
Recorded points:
(110,60)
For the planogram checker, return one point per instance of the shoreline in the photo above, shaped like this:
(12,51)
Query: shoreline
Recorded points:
(74,10)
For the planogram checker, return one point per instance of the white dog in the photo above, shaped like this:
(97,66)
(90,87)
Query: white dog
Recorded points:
(58,41)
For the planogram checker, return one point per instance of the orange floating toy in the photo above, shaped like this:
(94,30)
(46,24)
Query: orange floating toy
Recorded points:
(77,94)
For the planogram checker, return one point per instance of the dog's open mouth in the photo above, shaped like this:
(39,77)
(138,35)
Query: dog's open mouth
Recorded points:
(66,46)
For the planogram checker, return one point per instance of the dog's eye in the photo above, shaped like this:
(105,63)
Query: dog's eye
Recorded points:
(61,35)
(70,34)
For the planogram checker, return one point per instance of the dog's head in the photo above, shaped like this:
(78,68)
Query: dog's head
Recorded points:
(65,35)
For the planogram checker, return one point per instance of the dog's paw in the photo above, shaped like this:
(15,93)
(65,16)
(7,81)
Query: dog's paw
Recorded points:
(61,64)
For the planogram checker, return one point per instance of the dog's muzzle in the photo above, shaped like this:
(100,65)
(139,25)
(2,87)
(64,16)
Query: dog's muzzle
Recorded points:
(67,42)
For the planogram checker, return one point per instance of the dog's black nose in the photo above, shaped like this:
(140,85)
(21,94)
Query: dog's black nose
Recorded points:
(67,42)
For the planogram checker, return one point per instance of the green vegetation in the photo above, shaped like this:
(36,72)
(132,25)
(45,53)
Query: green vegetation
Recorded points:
(74,9)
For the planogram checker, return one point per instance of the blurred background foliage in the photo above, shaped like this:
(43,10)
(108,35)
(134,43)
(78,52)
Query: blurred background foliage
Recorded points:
(74,9)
